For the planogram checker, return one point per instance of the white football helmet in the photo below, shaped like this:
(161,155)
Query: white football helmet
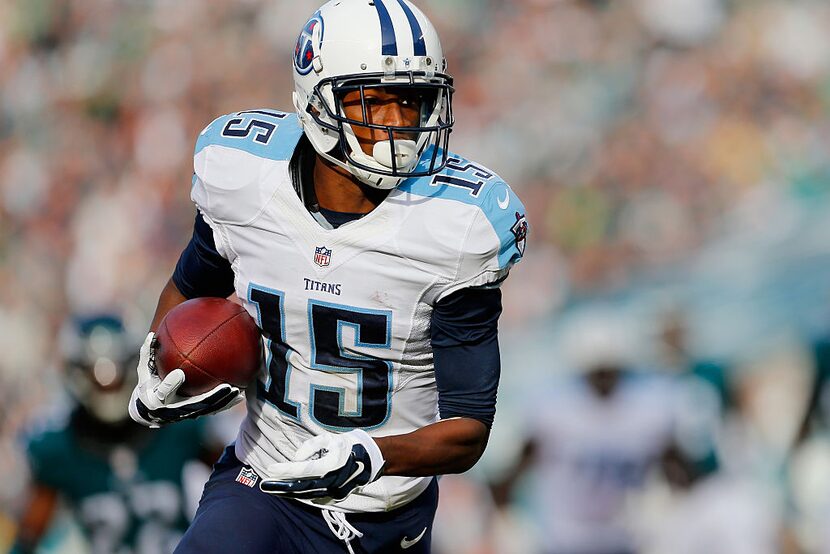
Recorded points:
(355,45)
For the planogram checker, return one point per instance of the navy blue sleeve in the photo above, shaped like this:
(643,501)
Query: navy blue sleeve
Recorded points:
(201,270)
(465,345)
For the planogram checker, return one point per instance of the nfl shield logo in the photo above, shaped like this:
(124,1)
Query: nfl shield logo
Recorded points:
(322,256)
(247,477)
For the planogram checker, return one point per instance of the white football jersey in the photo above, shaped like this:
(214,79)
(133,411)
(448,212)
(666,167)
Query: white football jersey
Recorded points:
(592,453)
(345,313)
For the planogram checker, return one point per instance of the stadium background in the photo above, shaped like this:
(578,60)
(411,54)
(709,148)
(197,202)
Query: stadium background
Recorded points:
(673,155)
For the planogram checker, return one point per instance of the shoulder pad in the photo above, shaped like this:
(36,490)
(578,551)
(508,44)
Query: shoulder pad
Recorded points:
(233,155)
(268,134)
(461,180)
(499,233)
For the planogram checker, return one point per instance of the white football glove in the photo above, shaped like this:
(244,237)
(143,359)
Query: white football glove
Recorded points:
(330,465)
(155,402)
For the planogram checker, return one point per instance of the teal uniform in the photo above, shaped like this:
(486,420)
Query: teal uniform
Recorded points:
(817,410)
(715,375)
(126,495)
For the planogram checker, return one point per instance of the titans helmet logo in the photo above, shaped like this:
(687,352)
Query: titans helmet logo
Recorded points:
(304,51)
(519,230)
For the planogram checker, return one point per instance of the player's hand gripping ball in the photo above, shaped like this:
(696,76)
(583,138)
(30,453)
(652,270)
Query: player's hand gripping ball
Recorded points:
(207,350)
(328,466)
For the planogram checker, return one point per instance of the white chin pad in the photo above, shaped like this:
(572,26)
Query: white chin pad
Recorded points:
(405,151)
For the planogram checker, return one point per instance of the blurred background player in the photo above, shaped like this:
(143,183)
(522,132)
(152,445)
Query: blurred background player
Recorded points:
(705,391)
(124,484)
(594,438)
(716,512)
(816,418)
(807,479)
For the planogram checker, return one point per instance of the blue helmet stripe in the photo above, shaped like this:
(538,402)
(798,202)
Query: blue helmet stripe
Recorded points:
(417,33)
(390,42)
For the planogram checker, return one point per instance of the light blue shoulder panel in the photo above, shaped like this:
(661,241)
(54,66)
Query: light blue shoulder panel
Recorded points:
(265,133)
(470,183)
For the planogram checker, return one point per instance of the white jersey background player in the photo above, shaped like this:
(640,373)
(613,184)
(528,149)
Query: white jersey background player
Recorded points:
(371,258)
(593,440)
(594,448)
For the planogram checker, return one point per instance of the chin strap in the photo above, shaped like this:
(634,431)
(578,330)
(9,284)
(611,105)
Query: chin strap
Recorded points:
(341,528)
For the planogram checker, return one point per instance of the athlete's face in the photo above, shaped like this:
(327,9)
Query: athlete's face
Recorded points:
(604,380)
(383,106)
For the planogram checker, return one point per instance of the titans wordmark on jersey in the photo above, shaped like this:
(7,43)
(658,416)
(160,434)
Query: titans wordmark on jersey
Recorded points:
(345,313)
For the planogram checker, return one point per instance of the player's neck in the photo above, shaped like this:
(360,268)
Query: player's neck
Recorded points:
(337,190)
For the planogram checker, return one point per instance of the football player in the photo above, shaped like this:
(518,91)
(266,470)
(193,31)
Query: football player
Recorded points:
(122,482)
(371,258)
(593,440)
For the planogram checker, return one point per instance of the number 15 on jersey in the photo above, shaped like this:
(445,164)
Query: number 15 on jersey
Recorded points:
(326,322)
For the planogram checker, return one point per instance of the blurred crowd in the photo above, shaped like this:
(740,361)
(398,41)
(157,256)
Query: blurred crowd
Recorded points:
(672,155)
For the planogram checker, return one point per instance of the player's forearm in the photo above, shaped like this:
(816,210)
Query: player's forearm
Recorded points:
(502,489)
(449,446)
(169,298)
(36,519)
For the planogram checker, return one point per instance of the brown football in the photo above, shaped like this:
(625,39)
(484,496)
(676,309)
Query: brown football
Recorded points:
(213,341)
